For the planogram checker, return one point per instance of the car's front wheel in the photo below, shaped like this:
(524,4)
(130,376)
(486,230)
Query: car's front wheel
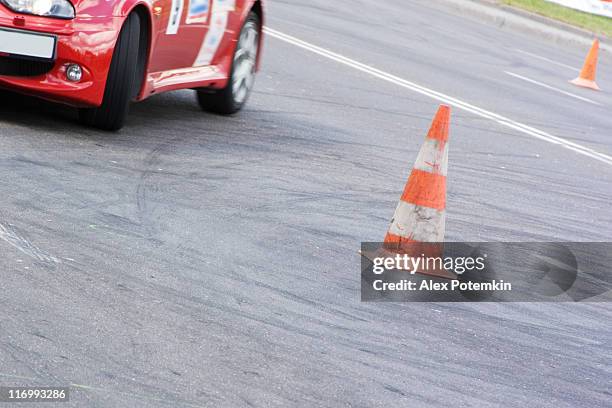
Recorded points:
(242,76)
(121,81)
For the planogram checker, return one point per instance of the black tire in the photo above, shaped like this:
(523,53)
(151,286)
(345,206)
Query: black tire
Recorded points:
(121,82)
(225,101)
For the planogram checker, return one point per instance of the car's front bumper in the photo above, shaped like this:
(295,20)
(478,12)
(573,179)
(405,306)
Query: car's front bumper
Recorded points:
(87,41)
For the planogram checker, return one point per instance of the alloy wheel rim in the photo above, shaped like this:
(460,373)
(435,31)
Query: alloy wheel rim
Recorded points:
(245,61)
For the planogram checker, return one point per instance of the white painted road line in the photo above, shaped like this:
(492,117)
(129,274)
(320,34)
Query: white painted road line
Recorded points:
(533,81)
(548,60)
(438,96)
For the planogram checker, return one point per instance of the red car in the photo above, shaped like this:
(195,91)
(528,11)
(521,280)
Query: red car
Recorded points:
(99,55)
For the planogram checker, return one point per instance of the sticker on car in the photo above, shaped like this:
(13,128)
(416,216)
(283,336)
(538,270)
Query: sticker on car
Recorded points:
(174,20)
(224,6)
(216,31)
(198,11)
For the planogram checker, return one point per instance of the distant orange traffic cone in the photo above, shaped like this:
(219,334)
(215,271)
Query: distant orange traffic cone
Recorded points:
(418,225)
(587,75)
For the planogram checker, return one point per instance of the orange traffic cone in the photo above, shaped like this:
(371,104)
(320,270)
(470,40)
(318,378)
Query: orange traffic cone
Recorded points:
(420,215)
(418,225)
(587,75)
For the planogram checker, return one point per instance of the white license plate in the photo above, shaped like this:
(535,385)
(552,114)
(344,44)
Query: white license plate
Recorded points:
(26,44)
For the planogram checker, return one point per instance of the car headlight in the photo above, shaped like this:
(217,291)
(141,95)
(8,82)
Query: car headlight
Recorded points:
(46,8)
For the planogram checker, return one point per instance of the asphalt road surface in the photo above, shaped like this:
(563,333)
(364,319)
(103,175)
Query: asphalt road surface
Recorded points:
(200,261)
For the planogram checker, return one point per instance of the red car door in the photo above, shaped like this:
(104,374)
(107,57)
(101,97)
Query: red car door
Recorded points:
(180,33)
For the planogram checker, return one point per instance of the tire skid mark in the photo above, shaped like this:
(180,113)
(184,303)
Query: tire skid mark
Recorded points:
(147,184)
(12,237)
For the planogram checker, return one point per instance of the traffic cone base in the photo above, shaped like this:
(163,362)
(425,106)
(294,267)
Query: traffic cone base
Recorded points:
(585,83)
